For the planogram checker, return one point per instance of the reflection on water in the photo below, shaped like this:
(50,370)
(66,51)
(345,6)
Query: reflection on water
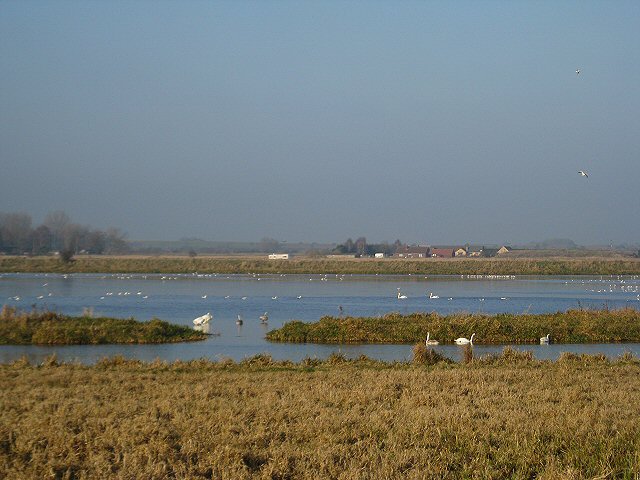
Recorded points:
(181,298)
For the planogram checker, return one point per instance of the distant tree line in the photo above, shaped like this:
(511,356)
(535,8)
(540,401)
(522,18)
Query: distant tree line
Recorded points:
(361,248)
(57,233)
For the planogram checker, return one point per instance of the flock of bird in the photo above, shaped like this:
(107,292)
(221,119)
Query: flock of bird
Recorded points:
(429,342)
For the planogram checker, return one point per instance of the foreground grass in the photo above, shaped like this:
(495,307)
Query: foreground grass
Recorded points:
(495,266)
(572,326)
(50,328)
(498,418)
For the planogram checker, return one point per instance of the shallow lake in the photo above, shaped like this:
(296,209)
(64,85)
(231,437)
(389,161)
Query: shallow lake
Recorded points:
(181,298)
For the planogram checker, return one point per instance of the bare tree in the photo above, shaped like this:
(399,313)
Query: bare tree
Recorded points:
(57,222)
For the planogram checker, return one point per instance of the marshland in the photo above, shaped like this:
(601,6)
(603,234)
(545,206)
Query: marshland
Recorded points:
(504,416)
(312,265)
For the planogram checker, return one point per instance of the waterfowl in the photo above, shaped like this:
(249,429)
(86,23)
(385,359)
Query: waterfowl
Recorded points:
(465,341)
(428,342)
(545,340)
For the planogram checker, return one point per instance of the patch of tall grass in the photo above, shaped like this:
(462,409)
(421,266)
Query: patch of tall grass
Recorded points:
(51,328)
(572,326)
(338,418)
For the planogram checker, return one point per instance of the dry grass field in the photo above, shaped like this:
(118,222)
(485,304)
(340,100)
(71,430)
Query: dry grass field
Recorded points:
(501,417)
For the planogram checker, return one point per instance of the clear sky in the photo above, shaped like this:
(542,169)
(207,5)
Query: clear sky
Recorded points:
(432,122)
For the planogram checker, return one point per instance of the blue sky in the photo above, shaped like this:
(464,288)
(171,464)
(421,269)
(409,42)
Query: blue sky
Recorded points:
(432,122)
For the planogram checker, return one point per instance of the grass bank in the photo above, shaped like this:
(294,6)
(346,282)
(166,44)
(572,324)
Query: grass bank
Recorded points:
(50,328)
(572,326)
(574,418)
(497,266)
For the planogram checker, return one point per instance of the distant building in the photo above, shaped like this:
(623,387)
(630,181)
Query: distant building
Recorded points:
(379,255)
(414,251)
(279,256)
(342,255)
(442,252)
(489,252)
(460,252)
(503,249)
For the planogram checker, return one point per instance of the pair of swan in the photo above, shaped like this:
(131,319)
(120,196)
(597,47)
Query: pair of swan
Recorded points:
(458,341)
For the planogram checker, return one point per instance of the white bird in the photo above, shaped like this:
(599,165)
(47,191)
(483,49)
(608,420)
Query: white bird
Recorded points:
(544,340)
(577,71)
(299,297)
(464,341)
(264,318)
(239,320)
(428,342)
(203,319)
(204,296)
(401,296)
(431,295)
(583,173)
(274,297)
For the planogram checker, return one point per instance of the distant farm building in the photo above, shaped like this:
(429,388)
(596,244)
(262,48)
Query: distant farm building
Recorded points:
(442,252)
(503,249)
(460,252)
(278,256)
(379,255)
(413,251)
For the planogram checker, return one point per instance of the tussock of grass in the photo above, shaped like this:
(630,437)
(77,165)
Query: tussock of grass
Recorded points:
(494,266)
(51,328)
(572,326)
(343,418)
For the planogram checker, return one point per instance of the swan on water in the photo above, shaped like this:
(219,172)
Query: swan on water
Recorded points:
(203,319)
(264,318)
(431,295)
(465,341)
(239,320)
(400,295)
(544,340)
(428,342)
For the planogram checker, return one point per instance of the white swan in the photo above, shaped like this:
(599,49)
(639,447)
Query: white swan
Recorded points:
(203,319)
(239,320)
(465,341)
(428,342)
(431,295)
(544,340)
(264,318)
(401,296)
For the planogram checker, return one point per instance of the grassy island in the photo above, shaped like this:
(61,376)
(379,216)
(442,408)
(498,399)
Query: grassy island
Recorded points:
(572,326)
(307,265)
(50,328)
(577,417)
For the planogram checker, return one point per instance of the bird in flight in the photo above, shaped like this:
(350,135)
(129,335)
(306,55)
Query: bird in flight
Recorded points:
(583,174)
(577,71)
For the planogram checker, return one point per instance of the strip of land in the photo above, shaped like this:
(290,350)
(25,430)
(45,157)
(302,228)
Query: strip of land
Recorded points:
(572,326)
(306,265)
(51,328)
(508,418)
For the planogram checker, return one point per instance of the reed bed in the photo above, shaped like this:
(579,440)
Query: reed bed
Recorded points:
(493,266)
(504,417)
(572,326)
(51,328)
